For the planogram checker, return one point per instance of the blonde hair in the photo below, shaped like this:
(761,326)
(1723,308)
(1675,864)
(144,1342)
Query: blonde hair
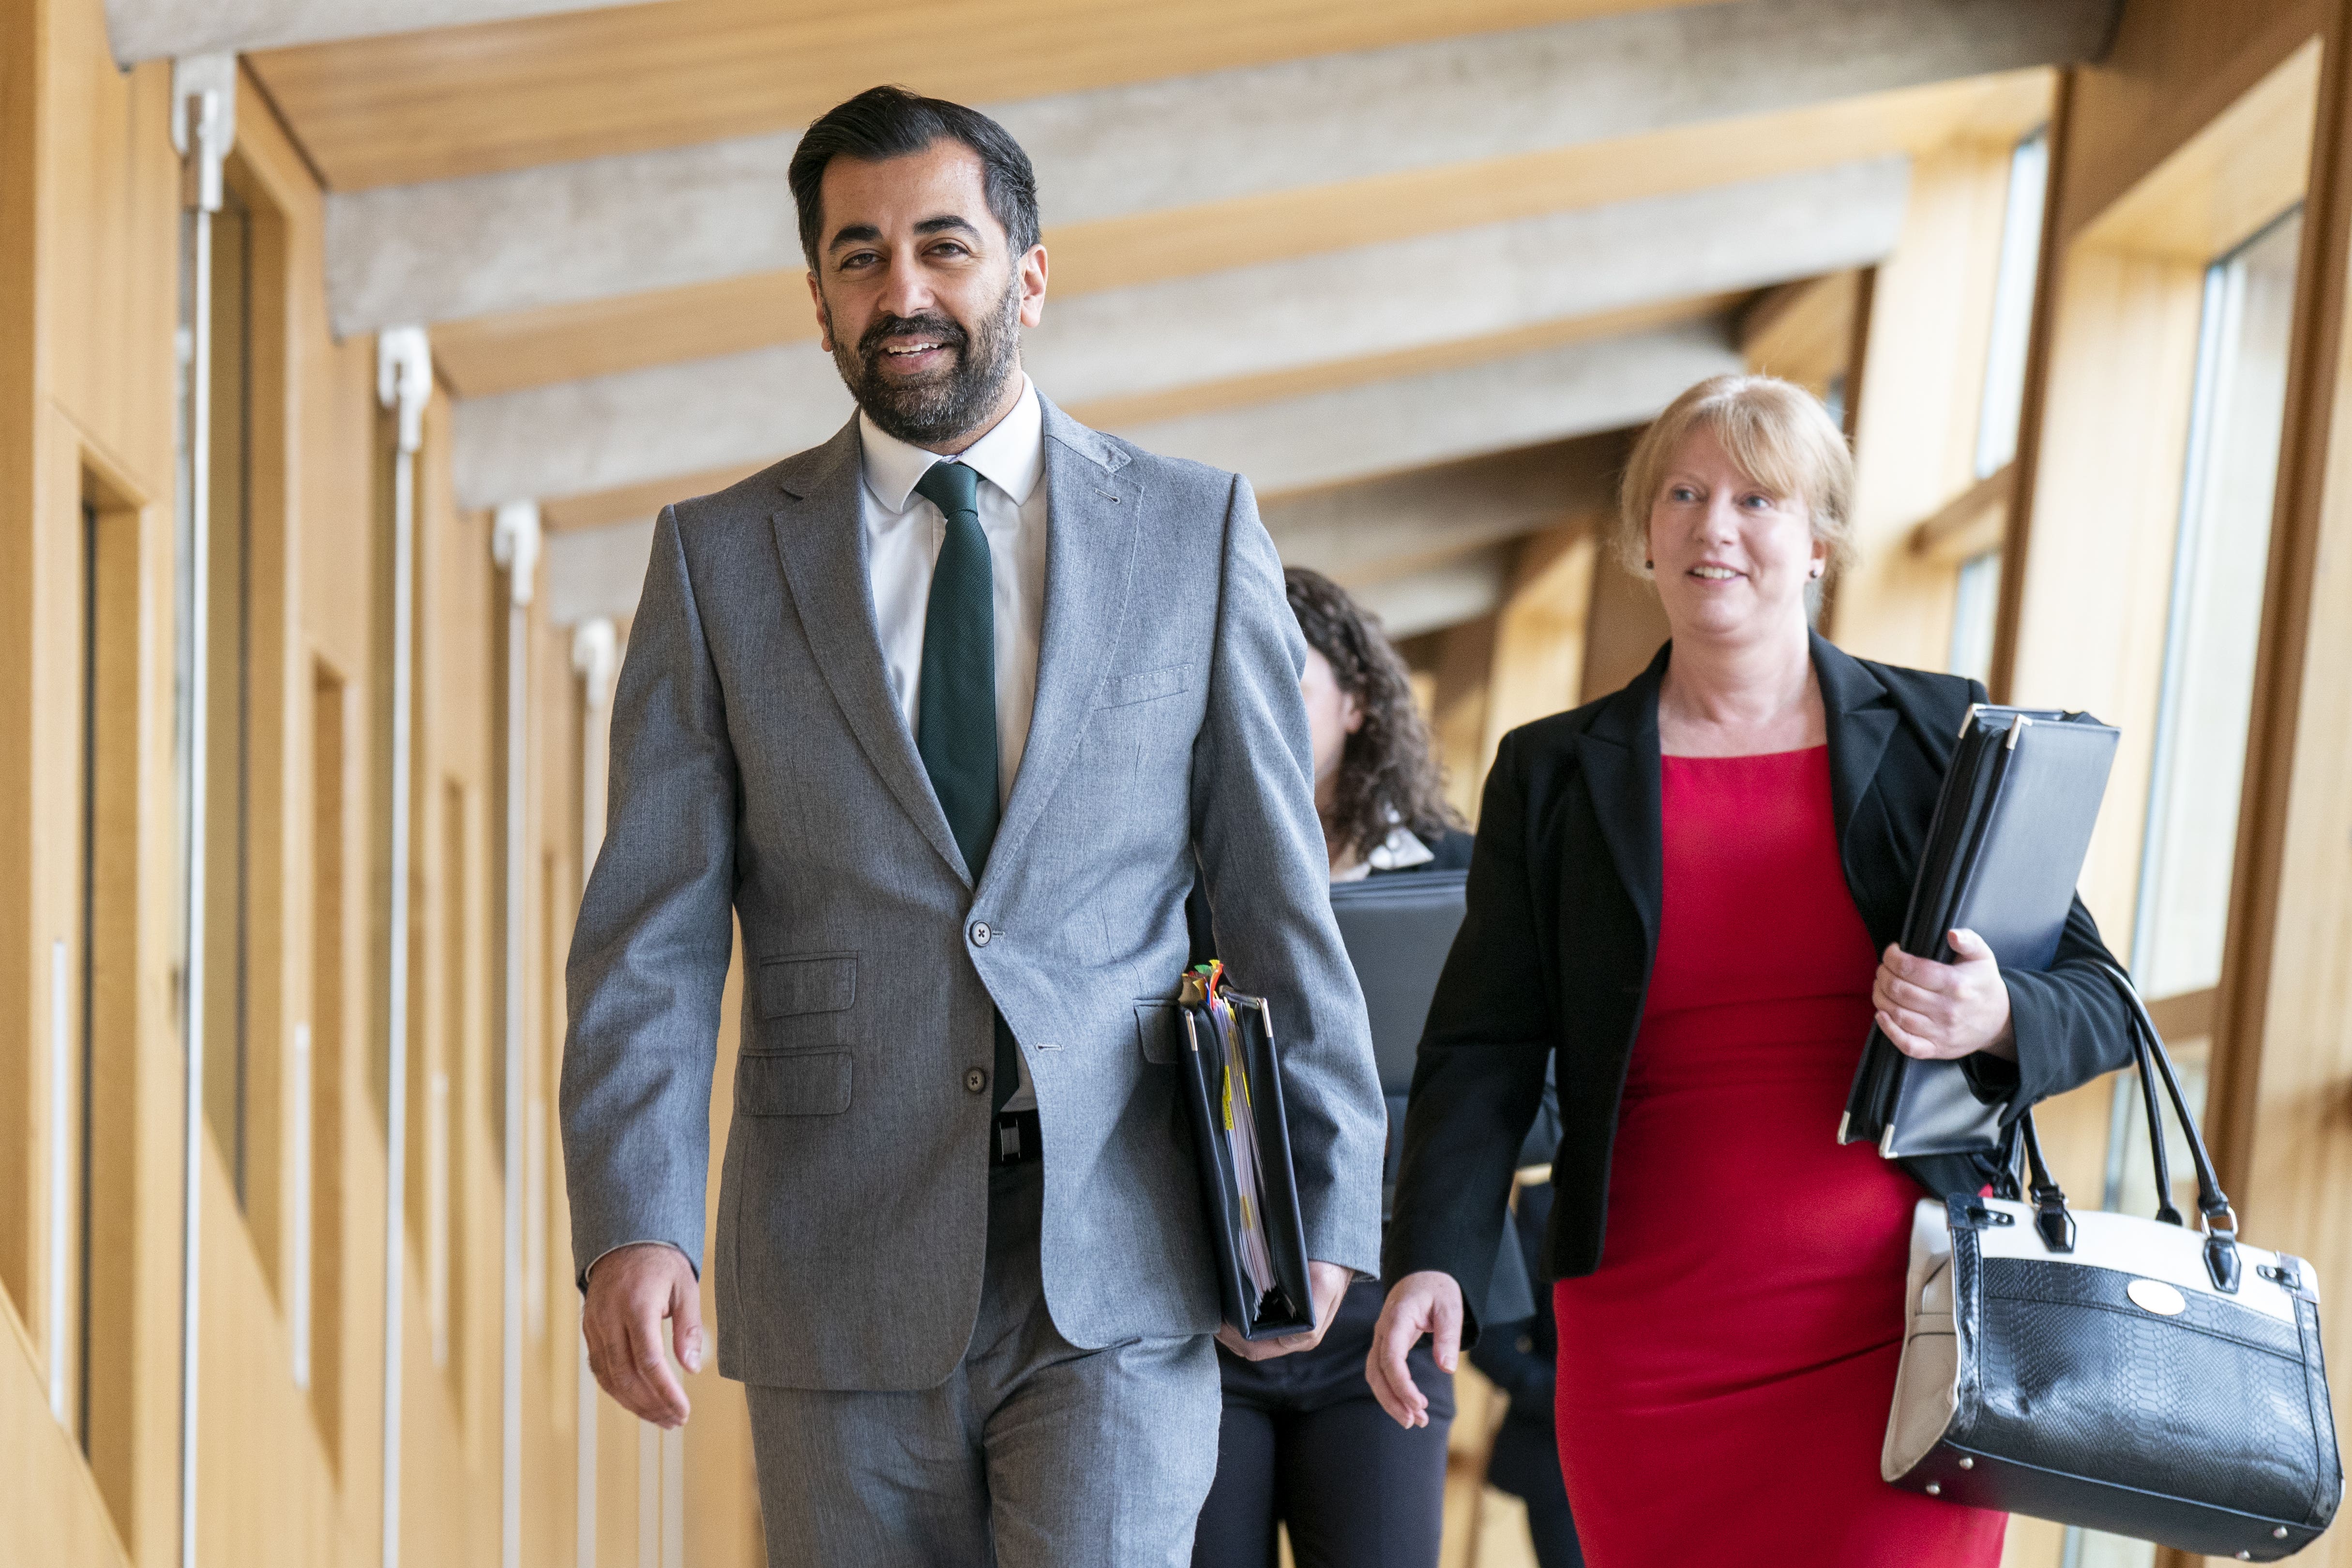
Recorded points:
(1774,431)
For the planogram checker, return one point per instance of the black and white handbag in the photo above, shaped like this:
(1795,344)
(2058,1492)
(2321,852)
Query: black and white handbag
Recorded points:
(2130,1375)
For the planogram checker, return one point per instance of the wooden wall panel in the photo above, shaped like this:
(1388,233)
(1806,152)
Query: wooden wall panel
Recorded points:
(1920,391)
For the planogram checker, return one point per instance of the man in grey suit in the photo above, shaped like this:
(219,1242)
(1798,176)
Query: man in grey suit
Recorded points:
(949,713)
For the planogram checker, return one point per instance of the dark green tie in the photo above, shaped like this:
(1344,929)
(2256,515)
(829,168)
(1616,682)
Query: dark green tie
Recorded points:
(955,708)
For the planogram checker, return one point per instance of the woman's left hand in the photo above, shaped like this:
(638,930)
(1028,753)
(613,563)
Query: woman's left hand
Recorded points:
(1940,1011)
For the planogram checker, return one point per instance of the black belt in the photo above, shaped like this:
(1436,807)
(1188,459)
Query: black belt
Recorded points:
(1018,1141)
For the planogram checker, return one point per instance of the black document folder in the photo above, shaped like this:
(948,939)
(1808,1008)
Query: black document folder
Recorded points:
(2004,849)
(1241,1136)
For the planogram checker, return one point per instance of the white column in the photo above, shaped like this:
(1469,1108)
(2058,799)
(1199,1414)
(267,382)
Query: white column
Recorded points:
(404,383)
(594,656)
(203,124)
(514,544)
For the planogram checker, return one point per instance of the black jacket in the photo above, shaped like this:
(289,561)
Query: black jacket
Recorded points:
(1554,956)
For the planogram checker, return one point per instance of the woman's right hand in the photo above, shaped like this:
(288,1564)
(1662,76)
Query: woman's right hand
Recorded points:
(1429,1302)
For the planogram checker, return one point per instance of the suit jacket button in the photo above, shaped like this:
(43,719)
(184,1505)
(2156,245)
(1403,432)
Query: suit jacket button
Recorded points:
(979,933)
(975,1081)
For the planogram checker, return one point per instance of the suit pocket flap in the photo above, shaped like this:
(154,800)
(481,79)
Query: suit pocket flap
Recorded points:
(1119,691)
(818,983)
(1155,1031)
(809,1083)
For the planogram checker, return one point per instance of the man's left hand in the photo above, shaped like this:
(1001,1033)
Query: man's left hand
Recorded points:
(1327,1282)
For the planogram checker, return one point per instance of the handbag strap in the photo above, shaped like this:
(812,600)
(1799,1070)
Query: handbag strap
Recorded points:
(2056,1226)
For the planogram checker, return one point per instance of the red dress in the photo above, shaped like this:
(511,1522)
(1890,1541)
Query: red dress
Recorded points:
(1725,1376)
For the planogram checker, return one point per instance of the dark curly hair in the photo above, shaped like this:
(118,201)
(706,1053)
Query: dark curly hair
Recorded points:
(1389,772)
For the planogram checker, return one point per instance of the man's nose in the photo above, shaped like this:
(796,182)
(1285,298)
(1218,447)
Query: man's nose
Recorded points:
(906,291)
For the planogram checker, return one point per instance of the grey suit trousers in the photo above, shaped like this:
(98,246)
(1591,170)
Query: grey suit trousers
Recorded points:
(1033,1454)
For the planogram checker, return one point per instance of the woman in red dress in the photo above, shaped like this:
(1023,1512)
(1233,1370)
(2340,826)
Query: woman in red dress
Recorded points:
(1684,896)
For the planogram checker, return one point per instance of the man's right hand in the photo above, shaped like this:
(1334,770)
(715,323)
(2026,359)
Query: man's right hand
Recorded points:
(1429,1302)
(630,1290)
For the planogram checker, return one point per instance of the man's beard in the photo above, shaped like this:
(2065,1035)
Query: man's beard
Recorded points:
(933,411)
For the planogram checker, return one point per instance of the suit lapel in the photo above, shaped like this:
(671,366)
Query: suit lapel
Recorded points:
(1620,760)
(1861,717)
(1093,503)
(821,539)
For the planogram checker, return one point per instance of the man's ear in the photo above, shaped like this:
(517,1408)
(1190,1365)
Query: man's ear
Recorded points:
(824,316)
(1032,286)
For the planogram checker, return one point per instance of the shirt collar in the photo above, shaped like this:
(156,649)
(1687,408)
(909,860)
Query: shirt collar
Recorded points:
(1399,851)
(1012,456)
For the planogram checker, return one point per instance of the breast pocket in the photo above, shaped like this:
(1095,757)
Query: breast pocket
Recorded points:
(1143,685)
(802,999)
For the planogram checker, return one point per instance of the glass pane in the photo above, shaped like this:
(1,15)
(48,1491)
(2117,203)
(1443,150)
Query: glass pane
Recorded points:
(2216,602)
(228,687)
(1974,606)
(2012,306)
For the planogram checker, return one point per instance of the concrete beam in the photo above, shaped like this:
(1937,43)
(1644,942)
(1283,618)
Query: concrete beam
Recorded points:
(1365,306)
(163,29)
(560,234)
(1393,426)
(1363,534)
(594,572)
(1441,596)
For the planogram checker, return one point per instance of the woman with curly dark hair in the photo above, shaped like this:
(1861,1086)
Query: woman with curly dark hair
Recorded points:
(1376,783)
(1303,1442)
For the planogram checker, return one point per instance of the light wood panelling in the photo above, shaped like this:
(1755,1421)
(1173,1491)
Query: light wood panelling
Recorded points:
(497,354)
(631,503)
(1804,331)
(2228,181)
(1969,523)
(491,354)
(464,100)
(1465,661)
(1920,391)
(2283,1047)
(2175,66)
(2114,443)
(1539,632)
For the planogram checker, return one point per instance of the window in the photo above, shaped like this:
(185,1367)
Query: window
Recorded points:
(1974,606)
(1976,603)
(2219,557)
(228,825)
(317,1322)
(2219,563)
(2012,306)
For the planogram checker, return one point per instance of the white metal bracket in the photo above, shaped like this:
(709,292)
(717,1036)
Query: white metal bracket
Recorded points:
(596,654)
(404,379)
(204,118)
(514,545)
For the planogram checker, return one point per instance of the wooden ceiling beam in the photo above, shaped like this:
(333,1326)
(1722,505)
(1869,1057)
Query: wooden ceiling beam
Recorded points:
(440,104)
(560,234)
(486,355)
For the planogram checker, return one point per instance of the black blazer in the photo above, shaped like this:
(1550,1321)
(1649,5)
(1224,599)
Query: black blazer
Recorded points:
(1554,955)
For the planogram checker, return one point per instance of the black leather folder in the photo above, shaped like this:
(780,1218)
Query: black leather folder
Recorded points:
(2005,847)
(1288,1308)
(1398,931)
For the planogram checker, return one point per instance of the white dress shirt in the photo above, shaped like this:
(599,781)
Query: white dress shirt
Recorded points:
(903,533)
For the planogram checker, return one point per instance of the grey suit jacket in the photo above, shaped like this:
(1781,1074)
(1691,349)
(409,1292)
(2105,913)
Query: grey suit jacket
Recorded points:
(760,770)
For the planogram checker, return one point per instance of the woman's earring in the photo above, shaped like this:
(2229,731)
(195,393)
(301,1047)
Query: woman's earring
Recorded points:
(1649,566)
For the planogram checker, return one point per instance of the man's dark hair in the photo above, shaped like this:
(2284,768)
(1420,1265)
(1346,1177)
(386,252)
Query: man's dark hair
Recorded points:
(891,122)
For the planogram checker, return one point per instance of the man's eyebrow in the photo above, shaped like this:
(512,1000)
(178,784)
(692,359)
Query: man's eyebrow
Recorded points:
(853,233)
(945,222)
